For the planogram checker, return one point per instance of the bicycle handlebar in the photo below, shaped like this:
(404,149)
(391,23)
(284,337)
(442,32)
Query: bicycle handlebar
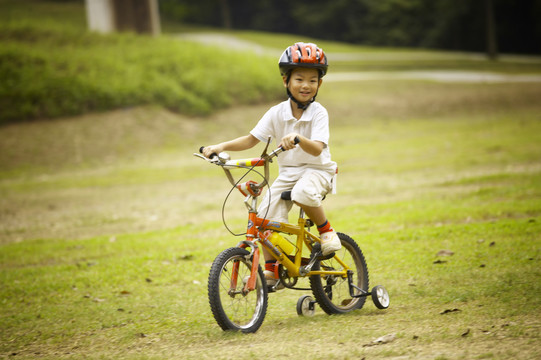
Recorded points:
(227,164)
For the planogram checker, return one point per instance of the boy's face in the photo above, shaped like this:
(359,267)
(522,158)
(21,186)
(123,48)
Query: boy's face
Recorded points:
(303,84)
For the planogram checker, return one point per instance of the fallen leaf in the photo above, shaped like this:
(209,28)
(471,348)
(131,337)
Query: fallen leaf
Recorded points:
(439,262)
(345,302)
(148,280)
(466,333)
(492,243)
(445,253)
(382,340)
(447,311)
(125,292)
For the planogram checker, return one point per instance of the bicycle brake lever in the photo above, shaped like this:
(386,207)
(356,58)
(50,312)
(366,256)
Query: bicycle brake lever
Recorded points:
(214,159)
(200,156)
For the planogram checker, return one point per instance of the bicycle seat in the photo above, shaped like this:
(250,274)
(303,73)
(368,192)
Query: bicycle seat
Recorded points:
(286,195)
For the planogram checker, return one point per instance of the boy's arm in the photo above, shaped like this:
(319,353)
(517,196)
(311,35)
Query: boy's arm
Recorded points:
(238,144)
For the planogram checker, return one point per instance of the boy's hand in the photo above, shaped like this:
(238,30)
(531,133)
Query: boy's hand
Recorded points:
(212,149)
(288,141)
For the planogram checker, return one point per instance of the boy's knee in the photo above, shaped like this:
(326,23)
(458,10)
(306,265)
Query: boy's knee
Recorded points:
(306,195)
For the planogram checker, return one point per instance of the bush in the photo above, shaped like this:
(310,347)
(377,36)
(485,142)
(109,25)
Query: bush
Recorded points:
(49,71)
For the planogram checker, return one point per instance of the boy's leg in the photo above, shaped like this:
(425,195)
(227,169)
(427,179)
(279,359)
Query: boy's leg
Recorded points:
(308,194)
(272,207)
(330,242)
(316,214)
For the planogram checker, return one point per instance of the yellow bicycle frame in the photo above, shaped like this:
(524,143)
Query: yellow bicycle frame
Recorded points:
(304,237)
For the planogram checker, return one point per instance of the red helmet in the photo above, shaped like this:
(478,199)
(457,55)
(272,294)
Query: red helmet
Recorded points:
(305,55)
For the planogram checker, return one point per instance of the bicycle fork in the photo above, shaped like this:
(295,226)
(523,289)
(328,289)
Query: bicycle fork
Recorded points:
(253,257)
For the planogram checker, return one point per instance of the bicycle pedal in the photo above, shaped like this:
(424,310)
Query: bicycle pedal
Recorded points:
(318,254)
(326,257)
(275,288)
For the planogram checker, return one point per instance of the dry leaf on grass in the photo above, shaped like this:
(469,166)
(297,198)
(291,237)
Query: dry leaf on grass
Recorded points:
(382,340)
(447,311)
(445,253)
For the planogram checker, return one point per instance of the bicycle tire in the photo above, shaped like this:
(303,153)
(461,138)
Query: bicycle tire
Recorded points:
(332,293)
(234,310)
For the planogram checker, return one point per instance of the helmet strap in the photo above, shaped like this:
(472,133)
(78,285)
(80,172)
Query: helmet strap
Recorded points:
(301,105)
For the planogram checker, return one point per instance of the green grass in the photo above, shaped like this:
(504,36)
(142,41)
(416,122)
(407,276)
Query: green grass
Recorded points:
(109,225)
(53,68)
(106,255)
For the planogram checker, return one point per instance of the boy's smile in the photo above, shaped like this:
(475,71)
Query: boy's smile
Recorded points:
(303,84)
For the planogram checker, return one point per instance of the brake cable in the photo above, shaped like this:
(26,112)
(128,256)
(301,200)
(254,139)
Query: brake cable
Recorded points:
(250,169)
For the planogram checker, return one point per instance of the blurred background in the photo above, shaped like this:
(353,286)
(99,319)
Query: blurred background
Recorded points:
(465,25)
(68,57)
(108,224)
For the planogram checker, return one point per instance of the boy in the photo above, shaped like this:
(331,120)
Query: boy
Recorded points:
(306,169)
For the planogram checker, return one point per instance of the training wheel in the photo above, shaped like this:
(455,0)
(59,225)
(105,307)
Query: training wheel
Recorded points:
(306,306)
(380,297)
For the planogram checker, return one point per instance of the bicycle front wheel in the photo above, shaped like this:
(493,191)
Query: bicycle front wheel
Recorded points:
(332,291)
(232,308)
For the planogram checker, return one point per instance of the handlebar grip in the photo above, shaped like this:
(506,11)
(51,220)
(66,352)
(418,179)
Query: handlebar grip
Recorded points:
(211,155)
(295,141)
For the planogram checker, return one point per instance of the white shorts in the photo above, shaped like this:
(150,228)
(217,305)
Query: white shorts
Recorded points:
(308,190)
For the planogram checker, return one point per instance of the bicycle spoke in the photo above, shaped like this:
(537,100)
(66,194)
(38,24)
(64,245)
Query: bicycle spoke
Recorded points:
(332,291)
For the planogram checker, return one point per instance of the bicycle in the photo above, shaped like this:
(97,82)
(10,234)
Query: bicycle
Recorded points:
(237,289)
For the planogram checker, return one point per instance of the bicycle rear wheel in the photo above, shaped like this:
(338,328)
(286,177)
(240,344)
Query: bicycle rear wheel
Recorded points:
(331,291)
(233,309)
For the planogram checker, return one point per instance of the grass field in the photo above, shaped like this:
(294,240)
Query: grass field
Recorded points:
(109,227)
(51,67)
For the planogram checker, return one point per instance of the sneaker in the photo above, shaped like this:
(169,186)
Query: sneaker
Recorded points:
(272,280)
(269,278)
(330,242)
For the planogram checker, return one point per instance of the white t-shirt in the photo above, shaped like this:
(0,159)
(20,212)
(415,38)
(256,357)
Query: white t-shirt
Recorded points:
(279,121)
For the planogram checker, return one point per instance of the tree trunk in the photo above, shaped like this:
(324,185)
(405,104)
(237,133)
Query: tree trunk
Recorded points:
(226,14)
(491,45)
